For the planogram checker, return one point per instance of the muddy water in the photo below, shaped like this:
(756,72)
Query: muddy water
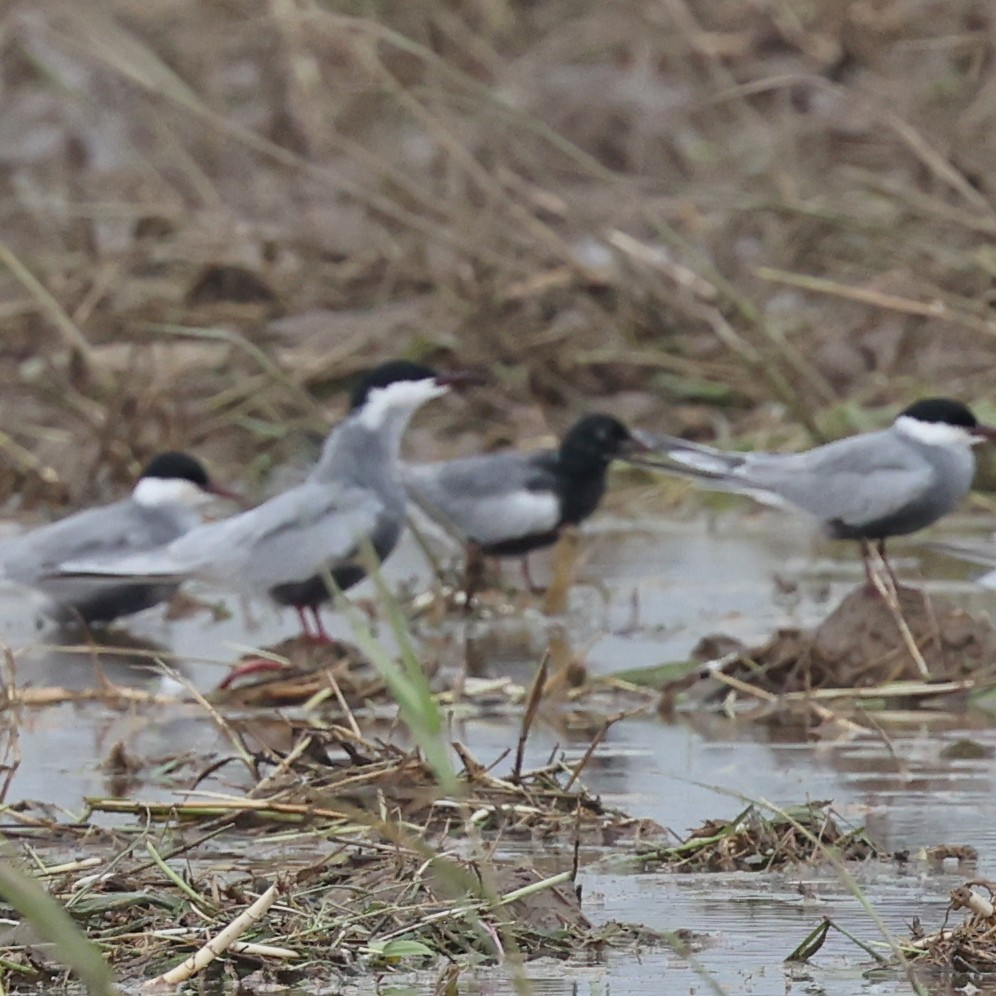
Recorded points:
(645,595)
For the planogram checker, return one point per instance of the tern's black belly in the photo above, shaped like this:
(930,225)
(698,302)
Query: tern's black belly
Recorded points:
(915,516)
(578,496)
(522,545)
(107,602)
(314,591)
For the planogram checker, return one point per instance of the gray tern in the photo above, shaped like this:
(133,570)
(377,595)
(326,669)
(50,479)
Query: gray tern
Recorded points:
(510,503)
(163,506)
(866,487)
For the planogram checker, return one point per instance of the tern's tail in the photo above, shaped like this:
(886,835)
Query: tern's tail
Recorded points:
(150,568)
(680,456)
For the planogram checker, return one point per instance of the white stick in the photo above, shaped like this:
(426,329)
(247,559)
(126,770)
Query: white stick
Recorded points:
(217,945)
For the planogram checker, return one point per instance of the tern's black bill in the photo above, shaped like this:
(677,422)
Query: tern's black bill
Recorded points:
(986,432)
(636,443)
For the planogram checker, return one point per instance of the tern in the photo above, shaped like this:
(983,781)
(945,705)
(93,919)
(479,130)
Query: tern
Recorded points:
(163,506)
(510,503)
(353,501)
(866,487)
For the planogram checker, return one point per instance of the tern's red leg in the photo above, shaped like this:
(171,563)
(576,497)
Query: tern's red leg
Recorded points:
(527,577)
(303,618)
(473,579)
(866,560)
(866,563)
(321,635)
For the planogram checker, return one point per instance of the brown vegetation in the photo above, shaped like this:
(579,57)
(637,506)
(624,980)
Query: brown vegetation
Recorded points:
(213,213)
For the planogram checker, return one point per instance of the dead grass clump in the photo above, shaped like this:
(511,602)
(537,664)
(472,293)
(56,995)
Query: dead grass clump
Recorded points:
(859,658)
(324,866)
(755,841)
(294,671)
(302,784)
(341,904)
(969,946)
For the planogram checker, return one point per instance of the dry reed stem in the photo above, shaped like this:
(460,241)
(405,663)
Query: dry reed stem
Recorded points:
(219,944)
(886,589)
(965,898)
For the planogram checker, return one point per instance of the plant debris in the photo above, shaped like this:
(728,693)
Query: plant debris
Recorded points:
(970,946)
(857,659)
(756,841)
(368,862)
(967,948)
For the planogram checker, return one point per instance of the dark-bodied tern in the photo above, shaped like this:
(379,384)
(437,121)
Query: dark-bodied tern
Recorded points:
(164,505)
(865,487)
(510,503)
(352,501)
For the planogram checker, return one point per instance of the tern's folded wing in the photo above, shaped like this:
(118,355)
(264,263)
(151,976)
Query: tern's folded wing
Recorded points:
(853,481)
(112,531)
(488,498)
(285,539)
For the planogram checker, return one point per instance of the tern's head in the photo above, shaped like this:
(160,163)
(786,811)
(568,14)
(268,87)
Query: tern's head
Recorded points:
(595,440)
(398,388)
(942,422)
(176,479)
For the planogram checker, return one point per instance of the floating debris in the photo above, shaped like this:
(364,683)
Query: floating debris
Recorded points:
(352,862)
(756,841)
(968,948)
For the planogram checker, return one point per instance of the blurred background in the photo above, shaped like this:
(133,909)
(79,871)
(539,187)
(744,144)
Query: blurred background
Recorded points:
(765,219)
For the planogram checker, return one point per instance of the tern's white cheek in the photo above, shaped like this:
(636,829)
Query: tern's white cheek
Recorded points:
(153,491)
(935,433)
(402,396)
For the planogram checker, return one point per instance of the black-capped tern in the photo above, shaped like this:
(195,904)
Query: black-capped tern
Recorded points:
(510,503)
(866,487)
(163,505)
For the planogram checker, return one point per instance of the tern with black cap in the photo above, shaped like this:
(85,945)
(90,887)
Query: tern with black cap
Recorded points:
(866,487)
(163,505)
(510,503)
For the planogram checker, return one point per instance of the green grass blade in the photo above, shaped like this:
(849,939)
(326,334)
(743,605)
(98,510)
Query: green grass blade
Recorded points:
(53,924)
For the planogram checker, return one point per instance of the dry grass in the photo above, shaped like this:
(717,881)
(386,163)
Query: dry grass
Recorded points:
(756,841)
(215,213)
(347,865)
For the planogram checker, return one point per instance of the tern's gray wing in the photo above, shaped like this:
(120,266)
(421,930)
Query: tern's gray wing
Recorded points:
(114,530)
(853,481)
(290,537)
(489,498)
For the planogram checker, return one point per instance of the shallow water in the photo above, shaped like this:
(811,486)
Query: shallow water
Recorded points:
(646,595)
